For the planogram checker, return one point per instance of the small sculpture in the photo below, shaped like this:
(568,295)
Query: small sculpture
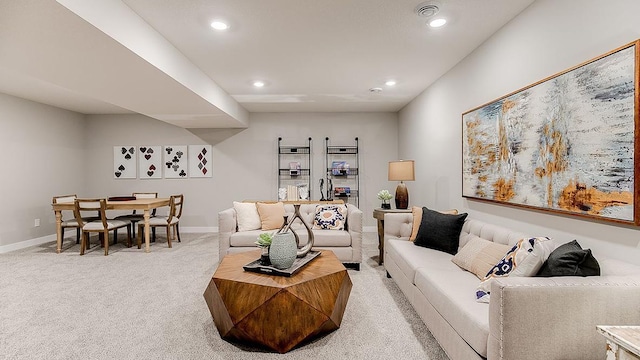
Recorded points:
(330,189)
(282,194)
(303,191)
(322,190)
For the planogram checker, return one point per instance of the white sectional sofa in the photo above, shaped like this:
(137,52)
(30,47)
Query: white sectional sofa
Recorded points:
(346,244)
(527,318)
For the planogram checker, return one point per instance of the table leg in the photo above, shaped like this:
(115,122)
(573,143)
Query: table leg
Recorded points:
(381,241)
(58,231)
(147,228)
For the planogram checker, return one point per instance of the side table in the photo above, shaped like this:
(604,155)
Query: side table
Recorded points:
(623,342)
(378,214)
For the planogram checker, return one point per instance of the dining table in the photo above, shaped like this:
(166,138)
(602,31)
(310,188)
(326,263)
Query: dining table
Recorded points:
(145,205)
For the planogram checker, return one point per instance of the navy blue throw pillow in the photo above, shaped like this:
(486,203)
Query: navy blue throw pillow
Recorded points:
(570,259)
(440,231)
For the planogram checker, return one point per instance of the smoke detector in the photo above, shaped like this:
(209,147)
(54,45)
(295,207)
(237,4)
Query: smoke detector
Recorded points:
(427,9)
(375,90)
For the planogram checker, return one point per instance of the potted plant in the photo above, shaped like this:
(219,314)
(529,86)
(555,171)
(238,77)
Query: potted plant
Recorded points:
(264,241)
(385,196)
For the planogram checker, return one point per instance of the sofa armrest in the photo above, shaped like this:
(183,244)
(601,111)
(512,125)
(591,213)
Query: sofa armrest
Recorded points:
(227,225)
(556,318)
(398,226)
(354,227)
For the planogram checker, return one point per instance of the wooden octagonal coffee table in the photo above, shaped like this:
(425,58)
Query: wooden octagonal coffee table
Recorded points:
(276,311)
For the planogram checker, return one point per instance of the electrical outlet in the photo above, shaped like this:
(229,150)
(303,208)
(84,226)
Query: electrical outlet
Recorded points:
(36,222)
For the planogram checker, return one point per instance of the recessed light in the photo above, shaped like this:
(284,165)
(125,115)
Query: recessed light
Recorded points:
(258,84)
(390,83)
(375,90)
(436,23)
(219,25)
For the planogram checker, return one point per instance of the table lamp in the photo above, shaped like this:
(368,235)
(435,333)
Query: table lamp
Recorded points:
(402,170)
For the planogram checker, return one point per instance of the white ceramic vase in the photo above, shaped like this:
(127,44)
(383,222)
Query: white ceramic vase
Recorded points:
(283,250)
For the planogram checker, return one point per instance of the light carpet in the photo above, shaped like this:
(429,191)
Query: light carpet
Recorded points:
(132,305)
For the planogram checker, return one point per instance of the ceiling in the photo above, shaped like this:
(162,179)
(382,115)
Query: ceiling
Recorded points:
(161,58)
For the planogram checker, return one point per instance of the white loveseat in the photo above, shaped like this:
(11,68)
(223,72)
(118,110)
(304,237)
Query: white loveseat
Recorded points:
(346,244)
(527,318)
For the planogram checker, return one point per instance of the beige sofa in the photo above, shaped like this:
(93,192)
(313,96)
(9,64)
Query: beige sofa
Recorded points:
(346,244)
(527,317)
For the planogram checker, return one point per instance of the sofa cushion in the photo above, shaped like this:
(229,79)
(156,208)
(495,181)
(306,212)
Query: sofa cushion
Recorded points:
(409,258)
(524,259)
(479,256)
(440,231)
(271,215)
(247,216)
(330,217)
(321,238)
(570,260)
(450,291)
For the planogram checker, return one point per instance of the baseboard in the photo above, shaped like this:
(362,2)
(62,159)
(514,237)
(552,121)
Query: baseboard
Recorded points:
(27,243)
(198,229)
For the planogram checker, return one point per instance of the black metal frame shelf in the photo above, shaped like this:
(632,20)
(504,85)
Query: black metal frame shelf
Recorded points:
(285,177)
(351,176)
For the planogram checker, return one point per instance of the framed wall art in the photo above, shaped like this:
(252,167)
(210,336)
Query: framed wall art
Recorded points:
(566,144)
(175,162)
(124,162)
(200,164)
(150,162)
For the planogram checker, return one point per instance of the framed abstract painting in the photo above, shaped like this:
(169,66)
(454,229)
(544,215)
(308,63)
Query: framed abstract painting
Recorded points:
(566,144)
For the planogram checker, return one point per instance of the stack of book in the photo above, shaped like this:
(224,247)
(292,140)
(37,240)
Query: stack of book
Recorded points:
(292,193)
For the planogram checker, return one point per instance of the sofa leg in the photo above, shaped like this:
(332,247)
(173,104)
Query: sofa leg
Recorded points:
(388,275)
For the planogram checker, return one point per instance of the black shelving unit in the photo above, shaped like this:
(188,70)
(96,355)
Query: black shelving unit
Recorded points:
(295,177)
(343,172)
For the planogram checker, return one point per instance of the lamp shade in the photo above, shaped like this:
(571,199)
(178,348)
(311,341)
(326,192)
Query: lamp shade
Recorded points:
(401,170)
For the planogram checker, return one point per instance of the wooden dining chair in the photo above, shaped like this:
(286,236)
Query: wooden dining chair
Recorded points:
(70,223)
(168,222)
(135,217)
(101,226)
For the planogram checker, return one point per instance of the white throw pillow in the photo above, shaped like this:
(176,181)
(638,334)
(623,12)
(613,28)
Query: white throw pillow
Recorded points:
(524,259)
(247,215)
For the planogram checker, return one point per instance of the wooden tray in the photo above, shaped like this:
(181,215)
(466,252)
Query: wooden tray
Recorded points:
(298,264)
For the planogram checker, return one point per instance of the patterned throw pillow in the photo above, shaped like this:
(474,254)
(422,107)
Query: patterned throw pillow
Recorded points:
(524,259)
(330,217)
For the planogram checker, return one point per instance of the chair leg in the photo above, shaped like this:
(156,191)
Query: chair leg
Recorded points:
(129,227)
(169,235)
(178,231)
(140,235)
(77,235)
(106,242)
(83,243)
(115,236)
(153,234)
(133,228)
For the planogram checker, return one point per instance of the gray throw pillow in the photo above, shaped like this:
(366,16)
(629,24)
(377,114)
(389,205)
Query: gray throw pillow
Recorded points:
(440,231)
(570,259)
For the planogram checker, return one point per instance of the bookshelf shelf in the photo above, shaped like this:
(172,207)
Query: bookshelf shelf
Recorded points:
(343,172)
(294,171)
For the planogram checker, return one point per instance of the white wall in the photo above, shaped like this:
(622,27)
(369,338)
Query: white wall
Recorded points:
(244,161)
(546,38)
(42,156)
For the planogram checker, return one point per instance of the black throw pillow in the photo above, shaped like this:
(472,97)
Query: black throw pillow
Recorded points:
(440,231)
(570,260)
